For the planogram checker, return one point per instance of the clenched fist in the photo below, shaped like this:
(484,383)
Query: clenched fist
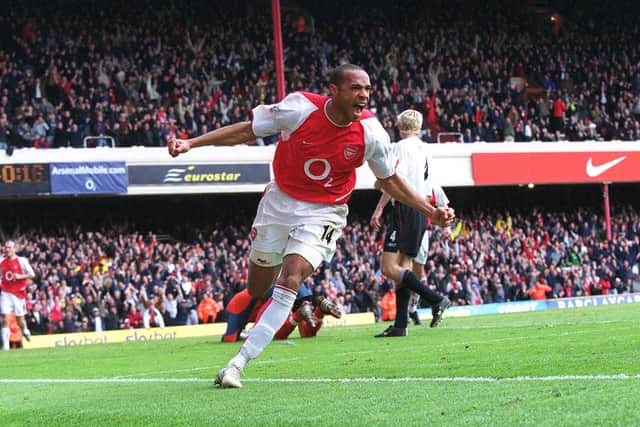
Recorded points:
(443,217)
(178,146)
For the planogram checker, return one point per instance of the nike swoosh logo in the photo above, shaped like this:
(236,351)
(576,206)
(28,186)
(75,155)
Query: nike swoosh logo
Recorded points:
(594,171)
(305,142)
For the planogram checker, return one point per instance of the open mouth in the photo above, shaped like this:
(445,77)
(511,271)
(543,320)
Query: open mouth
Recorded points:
(359,108)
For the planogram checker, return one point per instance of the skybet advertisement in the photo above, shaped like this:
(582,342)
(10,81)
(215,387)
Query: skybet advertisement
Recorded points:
(555,168)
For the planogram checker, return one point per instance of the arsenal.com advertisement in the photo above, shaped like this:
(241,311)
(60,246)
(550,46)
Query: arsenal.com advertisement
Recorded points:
(555,168)
(88,178)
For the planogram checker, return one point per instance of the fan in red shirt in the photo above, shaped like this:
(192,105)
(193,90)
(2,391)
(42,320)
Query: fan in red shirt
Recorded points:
(557,116)
(134,318)
(323,139)
(15,272)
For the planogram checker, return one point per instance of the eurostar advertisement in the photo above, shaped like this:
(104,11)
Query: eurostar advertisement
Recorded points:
(555,168)
(199,174)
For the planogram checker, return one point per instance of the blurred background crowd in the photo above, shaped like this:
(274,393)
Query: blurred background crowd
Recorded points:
(185,271)
(492,71)
(135,73)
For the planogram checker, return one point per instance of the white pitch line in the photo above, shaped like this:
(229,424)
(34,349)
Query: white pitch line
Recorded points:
(202,368)
(172,371)
(614,377)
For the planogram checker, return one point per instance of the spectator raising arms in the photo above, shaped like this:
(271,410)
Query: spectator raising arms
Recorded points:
(67,73)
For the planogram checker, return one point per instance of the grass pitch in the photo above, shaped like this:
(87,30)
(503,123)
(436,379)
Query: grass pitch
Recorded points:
(574,367)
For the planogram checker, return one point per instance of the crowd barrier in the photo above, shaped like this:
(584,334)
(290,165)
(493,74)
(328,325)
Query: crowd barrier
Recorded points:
(161,334)
(217,329)
(529,306)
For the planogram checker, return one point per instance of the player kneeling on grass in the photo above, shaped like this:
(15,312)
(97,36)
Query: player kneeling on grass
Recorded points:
(243,309)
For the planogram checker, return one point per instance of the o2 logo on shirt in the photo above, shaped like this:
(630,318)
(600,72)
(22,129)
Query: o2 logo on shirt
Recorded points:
(325,167)
(9,276)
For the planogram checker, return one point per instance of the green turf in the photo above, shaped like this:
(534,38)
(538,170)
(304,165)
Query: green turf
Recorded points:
(582,343)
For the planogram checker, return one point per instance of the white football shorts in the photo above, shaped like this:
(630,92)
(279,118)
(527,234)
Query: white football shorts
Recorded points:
(285,225)
(10,303)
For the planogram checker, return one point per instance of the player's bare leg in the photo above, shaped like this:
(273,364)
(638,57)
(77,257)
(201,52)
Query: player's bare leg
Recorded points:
(261,278)
(26,333)
(393,263)
(295,269)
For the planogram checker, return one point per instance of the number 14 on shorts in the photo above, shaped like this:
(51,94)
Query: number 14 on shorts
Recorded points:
(327,233)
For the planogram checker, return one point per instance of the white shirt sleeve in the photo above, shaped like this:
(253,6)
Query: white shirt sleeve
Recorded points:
(26,267)
(377,149)
(159,318)
(285,116)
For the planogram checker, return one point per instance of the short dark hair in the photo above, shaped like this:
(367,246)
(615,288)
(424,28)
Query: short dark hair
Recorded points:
(337,74)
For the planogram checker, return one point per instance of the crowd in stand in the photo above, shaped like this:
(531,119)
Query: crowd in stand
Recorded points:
(113,278)
(141,71)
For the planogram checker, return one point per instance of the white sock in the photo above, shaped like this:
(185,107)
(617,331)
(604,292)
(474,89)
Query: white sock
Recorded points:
(278,308)
(6,333)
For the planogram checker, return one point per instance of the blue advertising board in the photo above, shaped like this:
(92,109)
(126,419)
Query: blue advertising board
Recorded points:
(199,174)
(88,178)
(541,305)
(611,299)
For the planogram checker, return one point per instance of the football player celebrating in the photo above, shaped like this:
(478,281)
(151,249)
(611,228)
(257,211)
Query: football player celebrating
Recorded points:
(323,140)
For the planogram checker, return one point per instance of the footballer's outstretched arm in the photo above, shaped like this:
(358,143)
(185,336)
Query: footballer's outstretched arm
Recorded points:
(377,213)
(237,133)
(397,188)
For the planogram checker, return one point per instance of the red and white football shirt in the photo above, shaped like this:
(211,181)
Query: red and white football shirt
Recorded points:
(9,268)
(316,159)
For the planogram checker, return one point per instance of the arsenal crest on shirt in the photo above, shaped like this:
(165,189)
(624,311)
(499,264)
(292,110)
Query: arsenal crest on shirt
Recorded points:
(350,151)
